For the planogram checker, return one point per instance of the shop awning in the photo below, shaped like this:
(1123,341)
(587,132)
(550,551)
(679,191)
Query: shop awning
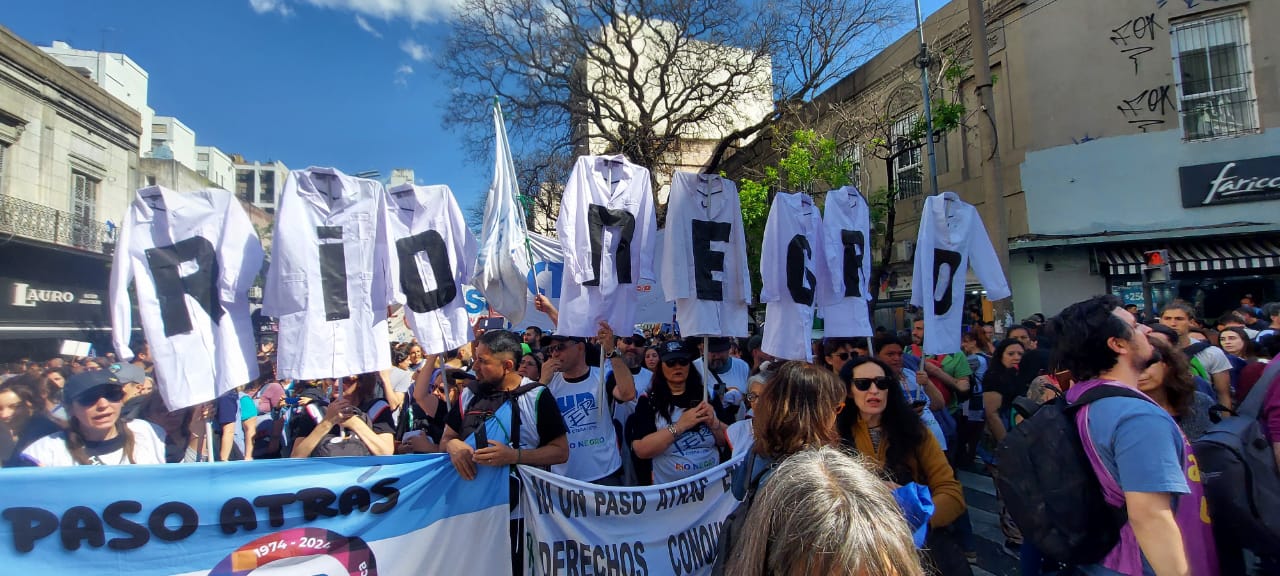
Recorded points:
(1200,255)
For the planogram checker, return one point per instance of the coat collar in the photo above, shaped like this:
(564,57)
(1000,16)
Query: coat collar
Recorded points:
(339,190)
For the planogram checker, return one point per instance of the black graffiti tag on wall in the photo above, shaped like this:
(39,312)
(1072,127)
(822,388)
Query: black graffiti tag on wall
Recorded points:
(1136,37)
(1149,107)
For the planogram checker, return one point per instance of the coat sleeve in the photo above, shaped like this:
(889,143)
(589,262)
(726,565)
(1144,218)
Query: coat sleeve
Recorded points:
(773,258)
(738,242)
(272,298)
(465,245)
(242,251)
(646,230)
(386,263)
(984,261)
(121,276)
(948,495)
(832,226)
(863,223)
(675,268)
(824,293)
(572,226)
(922,265)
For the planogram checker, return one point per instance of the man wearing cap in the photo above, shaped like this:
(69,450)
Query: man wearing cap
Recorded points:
(632,349)
(726,377)
(587,411)
(96,434)
(133,380)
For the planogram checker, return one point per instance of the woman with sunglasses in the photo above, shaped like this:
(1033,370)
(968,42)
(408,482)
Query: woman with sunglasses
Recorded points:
(95,434)
(883,428)
(356,410)
(672,426)
(835,352)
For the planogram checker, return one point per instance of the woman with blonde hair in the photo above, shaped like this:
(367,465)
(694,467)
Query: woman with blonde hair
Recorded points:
(795,411)
(823,512)
(96,434)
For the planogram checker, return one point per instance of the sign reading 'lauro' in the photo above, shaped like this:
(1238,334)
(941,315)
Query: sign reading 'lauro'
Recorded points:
(1229,182)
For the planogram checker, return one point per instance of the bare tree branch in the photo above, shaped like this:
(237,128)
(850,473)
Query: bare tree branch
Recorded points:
(647,77)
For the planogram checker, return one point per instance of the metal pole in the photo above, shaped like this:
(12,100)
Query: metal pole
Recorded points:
(922,60)
(992,168)
(706,388)
(208,441)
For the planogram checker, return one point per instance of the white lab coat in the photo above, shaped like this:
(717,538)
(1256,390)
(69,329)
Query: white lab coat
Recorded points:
(333,274)
(431,235)
(597,284)
(708,302)
(793,271)
(207,254)
(846,225)
(952,239)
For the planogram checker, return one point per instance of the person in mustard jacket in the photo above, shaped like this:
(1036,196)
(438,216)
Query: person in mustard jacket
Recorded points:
(884,429)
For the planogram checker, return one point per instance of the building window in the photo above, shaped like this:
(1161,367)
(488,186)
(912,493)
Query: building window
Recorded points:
(151,180)
(84,208)
(906,166)
(852,153)
(267,184)
(1215,87)
(159,129)
(244,186)
(203,156)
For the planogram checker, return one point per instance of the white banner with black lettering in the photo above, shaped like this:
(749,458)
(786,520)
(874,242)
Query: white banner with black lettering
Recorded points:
(671,529)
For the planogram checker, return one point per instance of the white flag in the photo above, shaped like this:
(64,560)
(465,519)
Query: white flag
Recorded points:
(502,267)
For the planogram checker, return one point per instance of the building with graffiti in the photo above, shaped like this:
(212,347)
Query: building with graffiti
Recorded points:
(1123,126)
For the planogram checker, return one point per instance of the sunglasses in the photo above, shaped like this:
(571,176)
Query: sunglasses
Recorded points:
(672,363)
(111,393)
(554,348)
(864,384)
(841,355)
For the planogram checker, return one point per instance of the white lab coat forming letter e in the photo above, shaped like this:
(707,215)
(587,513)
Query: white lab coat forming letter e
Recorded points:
(704,264)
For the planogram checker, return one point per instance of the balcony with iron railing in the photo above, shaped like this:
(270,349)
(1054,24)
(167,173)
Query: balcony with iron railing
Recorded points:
(33,221)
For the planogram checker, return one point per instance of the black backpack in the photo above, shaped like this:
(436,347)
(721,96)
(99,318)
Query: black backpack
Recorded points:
(1049,486)
(1238,470)
(734,524)
(350,445)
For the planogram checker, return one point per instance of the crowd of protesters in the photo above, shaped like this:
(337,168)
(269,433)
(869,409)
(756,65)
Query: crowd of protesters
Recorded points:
(652,408)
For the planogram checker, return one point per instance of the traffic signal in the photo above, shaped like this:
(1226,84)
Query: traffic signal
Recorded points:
(1155,265)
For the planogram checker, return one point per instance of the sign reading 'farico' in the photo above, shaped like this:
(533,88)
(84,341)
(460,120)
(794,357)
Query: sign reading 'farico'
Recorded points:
(1230,182)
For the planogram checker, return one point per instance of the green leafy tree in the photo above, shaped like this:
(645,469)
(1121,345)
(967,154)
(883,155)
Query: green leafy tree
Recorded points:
(810,163)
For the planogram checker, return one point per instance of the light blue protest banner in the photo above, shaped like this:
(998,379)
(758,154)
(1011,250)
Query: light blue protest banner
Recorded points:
(365,516)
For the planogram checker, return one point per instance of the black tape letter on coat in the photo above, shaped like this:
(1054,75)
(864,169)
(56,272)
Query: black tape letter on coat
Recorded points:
(943,305)
(854,244)
(598,217)
(800,279)
(172,287)
(333,272)
(706,260)
(415,290)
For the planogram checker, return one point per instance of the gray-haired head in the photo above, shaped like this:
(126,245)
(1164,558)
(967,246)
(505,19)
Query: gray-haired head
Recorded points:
(824,512)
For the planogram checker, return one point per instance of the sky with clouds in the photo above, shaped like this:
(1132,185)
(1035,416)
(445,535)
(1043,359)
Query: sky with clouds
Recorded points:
(343,83)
